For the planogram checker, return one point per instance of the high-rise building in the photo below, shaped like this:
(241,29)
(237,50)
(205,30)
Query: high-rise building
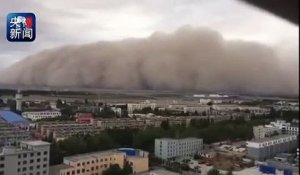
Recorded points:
(30,158)
(167,148)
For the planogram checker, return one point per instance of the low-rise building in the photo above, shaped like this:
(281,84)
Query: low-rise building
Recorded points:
(261,149)
(131,107)
(286,128)
(96,162)
(265,131)
(40,115)
(196,109)
(167,148)
(31,157)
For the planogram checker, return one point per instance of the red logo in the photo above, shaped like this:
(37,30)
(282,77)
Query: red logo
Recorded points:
(29,22)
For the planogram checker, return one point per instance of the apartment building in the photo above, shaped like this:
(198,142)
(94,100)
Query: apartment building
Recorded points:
(11,135)
(95,163)
(30,158)
(286,128)
(120,123)
(265,131)
(198,108)
(39,115)
(261,149)
(46,129)
(167,148)
(139,106)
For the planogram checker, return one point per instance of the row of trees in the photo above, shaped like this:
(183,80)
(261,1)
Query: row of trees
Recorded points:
(144,139)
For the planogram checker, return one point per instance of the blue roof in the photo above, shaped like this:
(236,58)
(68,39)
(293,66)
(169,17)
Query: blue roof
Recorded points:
(12,117)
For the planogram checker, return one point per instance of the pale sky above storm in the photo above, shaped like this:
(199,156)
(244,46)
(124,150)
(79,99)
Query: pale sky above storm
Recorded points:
(62,22)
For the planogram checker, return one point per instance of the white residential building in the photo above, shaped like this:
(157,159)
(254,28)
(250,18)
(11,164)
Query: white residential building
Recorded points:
(261,149)
(167,148)
(131,107)
(204,101)
(265,131)
(31,158)
(286,128)
(199,109)
(279,127)
(39,115)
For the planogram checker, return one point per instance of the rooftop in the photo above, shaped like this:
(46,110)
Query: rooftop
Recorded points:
(36,143)
(92,155)
(271,138)
(188,138)
(12,117)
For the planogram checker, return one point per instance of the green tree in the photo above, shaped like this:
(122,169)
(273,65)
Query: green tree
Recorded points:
(165,124)
(59,103)
(113,170)
(210,103)
(229,173)
(127,168)
(213,171)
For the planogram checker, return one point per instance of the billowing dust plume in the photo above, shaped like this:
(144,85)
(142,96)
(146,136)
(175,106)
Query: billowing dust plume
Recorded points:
(189,59)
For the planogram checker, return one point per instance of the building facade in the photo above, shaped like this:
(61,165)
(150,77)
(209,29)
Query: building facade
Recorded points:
(95,163)
(167,148)
(261,149)
(286,128)
(39,115)
(131,107)
(31,158)
(265,131)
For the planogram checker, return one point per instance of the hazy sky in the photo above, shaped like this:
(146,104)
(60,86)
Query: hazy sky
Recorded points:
(61,22)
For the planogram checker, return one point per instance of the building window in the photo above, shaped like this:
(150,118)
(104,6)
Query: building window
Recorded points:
(45,152)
